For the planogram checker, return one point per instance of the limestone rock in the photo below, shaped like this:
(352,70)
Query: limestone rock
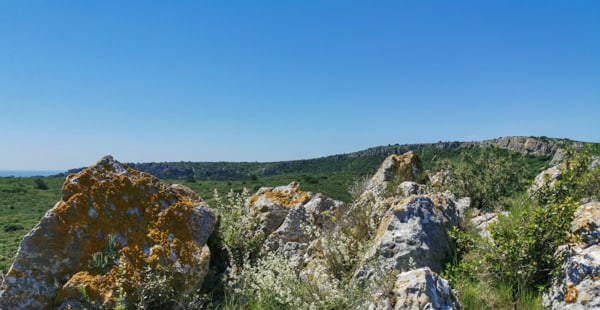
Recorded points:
(396,169)
(151,224)
(412,234)
(297,230)
(524,145)
(578,284)
(408,188)
(271,205)
(586,223)
(548,176)
(419,289)
(483,221)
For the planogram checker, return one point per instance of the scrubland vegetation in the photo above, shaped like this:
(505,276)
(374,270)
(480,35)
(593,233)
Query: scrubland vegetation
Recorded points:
(507,273)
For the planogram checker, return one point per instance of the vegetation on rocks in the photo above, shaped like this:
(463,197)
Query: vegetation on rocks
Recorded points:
(506,268)
(512,268)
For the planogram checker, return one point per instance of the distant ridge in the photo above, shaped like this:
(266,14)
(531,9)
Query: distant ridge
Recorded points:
(356,163)
(535,146)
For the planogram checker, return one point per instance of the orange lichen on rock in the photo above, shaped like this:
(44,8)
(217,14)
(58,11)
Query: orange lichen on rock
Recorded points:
(286,196)
(154,225)
(572,294)
(408,167)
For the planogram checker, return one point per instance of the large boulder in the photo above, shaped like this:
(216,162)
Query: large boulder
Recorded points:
(578,284)
(419,289)
(112,224)
(412,234)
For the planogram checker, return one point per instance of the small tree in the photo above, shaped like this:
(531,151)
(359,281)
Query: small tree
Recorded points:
(487,178)
(40,184)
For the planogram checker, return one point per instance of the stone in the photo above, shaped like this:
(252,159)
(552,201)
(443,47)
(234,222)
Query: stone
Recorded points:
(483,222)
(586,222)
(303,223)
(408,188)
(150,224)
(548,176)
(295,221)
(271,205)
(577,286)
(412,234)
(396,169)
(419,289)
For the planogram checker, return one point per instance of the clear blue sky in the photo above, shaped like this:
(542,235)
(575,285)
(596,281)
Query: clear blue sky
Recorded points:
(279,80)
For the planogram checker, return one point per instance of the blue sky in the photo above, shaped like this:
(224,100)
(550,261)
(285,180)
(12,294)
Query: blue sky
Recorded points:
(279,80)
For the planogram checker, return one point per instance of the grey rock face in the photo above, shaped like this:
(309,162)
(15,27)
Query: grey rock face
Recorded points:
(578,284)
(419,289)
(412,234)
(484,221)
(287,214)
(548,176)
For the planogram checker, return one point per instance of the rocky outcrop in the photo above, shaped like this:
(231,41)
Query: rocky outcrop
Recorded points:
(419,289)
(394,170)
(271,205)
(536,146)
(413,234)
(578,284)
(286,214)
(411,237)
(111,224)
(547,177)
(524,145)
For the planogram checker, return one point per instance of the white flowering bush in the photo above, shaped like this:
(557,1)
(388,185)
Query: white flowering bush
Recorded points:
(274,283)
(238,230)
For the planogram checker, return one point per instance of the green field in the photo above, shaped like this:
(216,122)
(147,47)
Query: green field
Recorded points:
(21,207)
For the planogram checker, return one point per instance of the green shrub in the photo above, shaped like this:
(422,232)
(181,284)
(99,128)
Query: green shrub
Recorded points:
(40,184)
(103,260)
(488,178)
(521,258)
(13,227)
(239,232)
(156,293)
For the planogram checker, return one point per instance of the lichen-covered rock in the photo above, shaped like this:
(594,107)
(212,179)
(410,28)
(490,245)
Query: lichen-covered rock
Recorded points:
(150,224)
(287,215)
(408,188)
(412,234)
(294,221)
(586,223)
(419,289)
(578,284)
(394,170)
(271,205)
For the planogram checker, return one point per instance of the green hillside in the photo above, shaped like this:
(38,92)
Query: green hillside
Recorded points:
(23,202)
